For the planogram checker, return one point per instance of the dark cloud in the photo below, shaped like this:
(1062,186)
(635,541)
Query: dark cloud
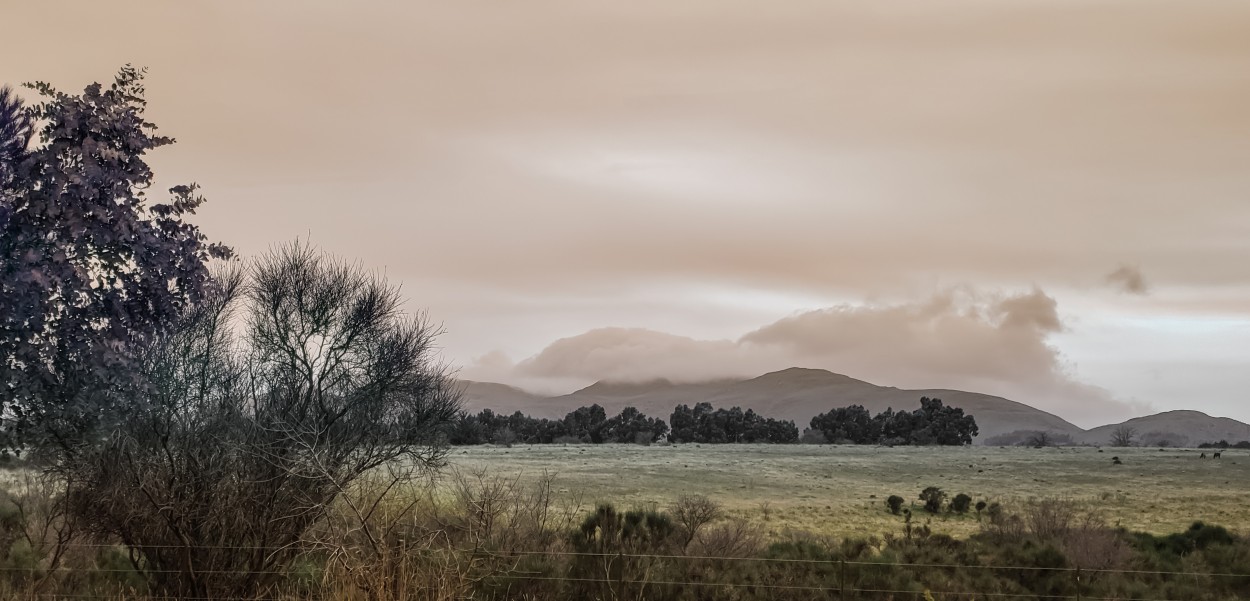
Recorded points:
(1129,279)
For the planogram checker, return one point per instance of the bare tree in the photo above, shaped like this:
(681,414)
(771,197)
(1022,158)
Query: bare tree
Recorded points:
(241,443)
(1123,436)
(1041,438)
(693,512)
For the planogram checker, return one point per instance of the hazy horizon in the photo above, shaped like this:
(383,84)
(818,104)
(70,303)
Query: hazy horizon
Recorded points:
(1040,200)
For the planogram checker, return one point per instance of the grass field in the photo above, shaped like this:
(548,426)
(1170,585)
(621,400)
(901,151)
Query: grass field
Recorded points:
(840,490)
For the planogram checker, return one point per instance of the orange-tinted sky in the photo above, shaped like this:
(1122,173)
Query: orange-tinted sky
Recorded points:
(1045,199)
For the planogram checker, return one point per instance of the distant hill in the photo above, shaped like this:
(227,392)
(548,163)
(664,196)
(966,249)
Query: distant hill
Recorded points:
(799,394)
(796,394)
(499,398)
(1173,428)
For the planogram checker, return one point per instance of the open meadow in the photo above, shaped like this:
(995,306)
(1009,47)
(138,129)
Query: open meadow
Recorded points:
(840,490)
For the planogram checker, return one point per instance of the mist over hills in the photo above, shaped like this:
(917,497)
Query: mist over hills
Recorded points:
(799,394)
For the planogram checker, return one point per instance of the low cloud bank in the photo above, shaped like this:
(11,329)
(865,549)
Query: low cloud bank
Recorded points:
(959,338)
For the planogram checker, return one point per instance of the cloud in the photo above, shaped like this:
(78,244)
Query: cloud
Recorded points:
(1129,279)
(959,338)
(632,354)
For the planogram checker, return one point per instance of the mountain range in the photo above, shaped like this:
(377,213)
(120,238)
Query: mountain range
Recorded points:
(799,394)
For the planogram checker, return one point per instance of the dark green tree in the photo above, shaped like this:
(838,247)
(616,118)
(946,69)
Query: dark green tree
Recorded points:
(942,425)
(851,424)
(933,498)
(706,424)
(631,425)
(681,423)
(709,424)
(586,423)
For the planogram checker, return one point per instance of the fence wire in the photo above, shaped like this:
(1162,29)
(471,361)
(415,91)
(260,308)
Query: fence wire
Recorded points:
(841,591)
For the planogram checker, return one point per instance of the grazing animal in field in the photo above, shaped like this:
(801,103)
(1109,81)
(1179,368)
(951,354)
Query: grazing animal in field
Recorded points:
(1116,461)
(1215,455)
(1202,456)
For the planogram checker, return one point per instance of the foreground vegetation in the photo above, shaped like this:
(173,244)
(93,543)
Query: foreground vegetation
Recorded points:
(481,536)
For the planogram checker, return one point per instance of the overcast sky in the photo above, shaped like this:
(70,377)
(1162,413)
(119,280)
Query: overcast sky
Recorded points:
(1043,199)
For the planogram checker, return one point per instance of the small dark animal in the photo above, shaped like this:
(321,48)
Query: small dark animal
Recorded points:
(1215,455)
(1116,461)
(1202,456)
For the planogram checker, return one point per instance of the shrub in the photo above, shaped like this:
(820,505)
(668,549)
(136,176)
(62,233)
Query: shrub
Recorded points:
(1198,537)
(247,439)
(980,507)
(1050,519)
(895,503)
(933,498)
(960,503)
(736,537)
(648,529)
(692,513)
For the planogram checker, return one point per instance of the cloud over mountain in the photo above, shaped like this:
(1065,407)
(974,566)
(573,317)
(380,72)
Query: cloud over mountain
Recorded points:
(958,338)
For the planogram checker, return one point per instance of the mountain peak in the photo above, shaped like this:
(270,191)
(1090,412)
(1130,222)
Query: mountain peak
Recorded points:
(623,388)
(805,374)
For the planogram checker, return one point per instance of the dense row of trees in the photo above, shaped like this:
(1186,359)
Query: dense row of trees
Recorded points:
(704,423)
(585,424)
(591,424)
(1224,444)
(932,424)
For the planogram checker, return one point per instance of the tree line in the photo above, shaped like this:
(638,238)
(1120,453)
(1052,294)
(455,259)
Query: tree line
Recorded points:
(582,425)
(932,424)
(592,425)
(705,424)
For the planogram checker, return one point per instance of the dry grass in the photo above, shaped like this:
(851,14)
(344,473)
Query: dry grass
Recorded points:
(841,490)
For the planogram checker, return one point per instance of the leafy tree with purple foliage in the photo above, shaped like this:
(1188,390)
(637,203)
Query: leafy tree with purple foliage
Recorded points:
(90,270)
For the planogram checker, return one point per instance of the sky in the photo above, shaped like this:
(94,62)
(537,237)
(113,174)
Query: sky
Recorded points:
(1047,200)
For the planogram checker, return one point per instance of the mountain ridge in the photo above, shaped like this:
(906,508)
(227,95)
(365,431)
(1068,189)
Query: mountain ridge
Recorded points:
(798,394)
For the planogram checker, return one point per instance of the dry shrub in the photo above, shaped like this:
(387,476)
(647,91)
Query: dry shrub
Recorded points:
(253,416)
(692,513)
(1050,518)
(36,531)
(734,537)
(1091,545)
(501,514)
(1001,525)
(396,537)
(1084,537)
